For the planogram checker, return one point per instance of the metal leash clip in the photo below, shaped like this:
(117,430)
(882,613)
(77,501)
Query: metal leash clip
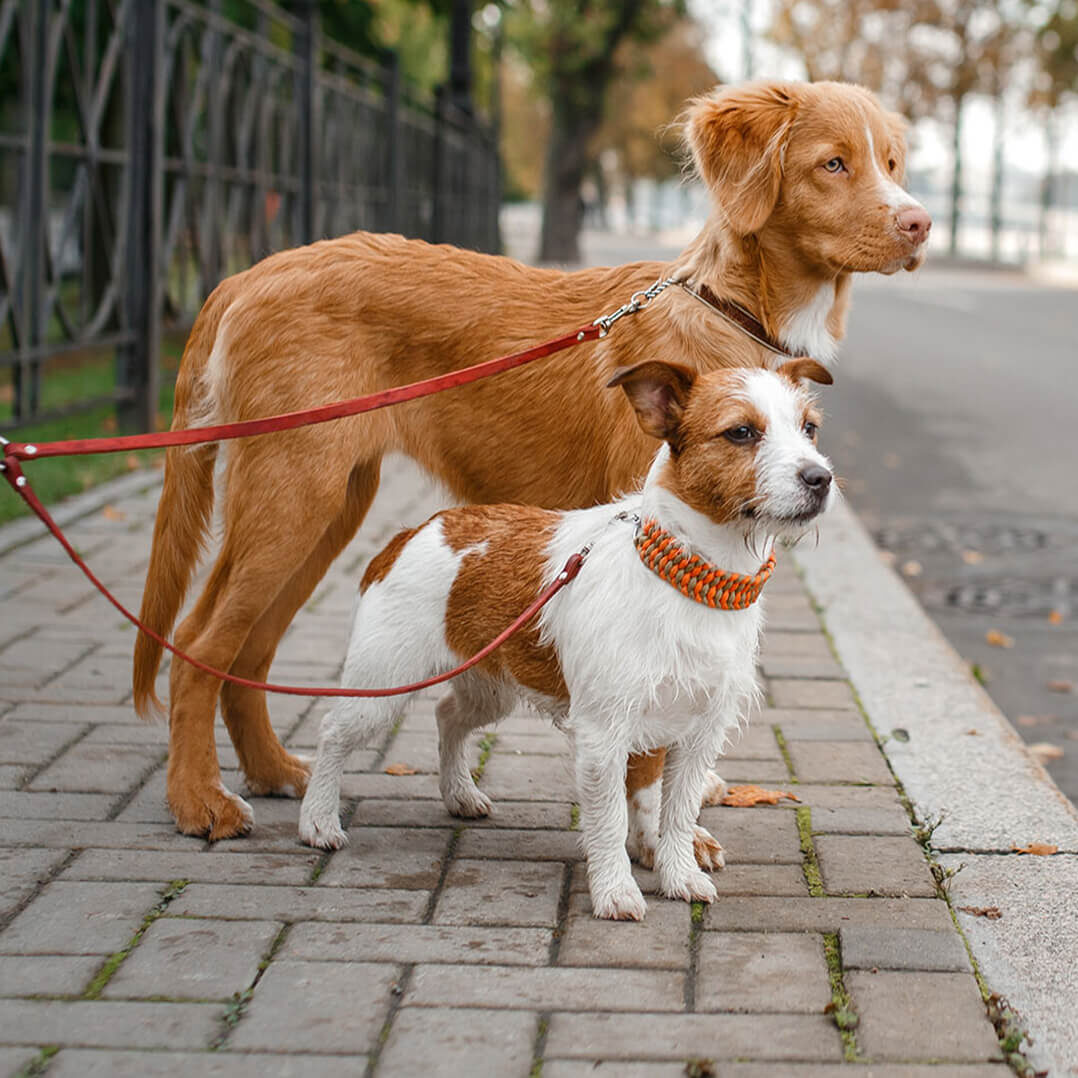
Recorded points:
(637,302)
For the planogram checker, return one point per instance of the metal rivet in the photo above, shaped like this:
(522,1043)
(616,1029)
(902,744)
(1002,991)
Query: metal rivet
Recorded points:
(31,449)
(580,335)
(21,481)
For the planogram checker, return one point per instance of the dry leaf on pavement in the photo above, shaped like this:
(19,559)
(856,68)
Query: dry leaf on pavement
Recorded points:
(1045,751)
(993,913)
(1056,617)
(747,796)
(1038,849)
(998,639)
(1060,685)
(401,769)
(112,513)
(972,557)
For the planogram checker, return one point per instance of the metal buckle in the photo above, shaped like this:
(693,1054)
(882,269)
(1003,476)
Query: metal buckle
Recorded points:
(637,302)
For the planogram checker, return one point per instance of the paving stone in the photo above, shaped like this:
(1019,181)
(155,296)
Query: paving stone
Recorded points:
(736,879)
(845,797)
(38,713)
(762,971)
(14,1060)
(317,1007)
(26,743)
(871,864)
(107,1024)
(586,1068)
(761,835)
(736,771)
(21,872)
(13,776)
(47,975)
(208,866)
(420,750)
(682,1036)
(112,834)
(447,1043)
(868,1070)
(740,914)
(543,741)
(248,903)
(28,654)
(544,988)
(99,768)
(80,918)
(893,1007)
(755,742)
(861,821)
(500,892)
(531,778)
(792,666)
(389,857)
(509,844)
(79,1063)
(660,941)
(807,728)
(379,784)
(25,805)
(126,733)
(879,947)
(802,692)
(418,943)
(839,761)
(791,645)
(193,959)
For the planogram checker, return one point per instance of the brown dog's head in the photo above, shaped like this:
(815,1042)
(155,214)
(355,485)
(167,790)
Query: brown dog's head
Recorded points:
(816,166)
(742,440)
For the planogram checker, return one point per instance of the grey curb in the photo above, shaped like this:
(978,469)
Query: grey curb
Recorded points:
(964,762)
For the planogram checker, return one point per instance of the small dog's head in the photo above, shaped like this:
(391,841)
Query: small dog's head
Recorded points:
(820,165)
(742,441)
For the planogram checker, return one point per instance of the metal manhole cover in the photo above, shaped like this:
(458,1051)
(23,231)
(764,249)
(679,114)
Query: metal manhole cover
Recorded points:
(986,537)
(1015,596)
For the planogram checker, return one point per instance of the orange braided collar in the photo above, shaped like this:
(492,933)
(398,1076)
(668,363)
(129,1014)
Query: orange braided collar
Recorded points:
(695,578)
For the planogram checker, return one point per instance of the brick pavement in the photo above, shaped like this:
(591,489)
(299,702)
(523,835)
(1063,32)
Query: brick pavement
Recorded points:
(432,946)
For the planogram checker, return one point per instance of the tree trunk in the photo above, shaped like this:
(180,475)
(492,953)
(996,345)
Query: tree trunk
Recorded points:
(1048,183)
(567,161)
(956,174)
(995,207)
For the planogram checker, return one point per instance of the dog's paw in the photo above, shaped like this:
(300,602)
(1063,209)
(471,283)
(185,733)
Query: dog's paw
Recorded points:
(714,790)
(323,833)
(470,803)
(214,813)
(641,847)
(288,780)
(694,887)
(623,903)
(707,849)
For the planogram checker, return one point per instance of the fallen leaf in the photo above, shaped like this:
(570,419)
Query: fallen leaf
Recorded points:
(993,913)
(892,461)
(132,462)
(1045,751)
(887,557)
(401,769)
(747,796)
(912,568)
(112,513)
(998,639)
(1038,849)
(1061,686)
(972,557)
(1056,617)
(971,732)
(1034,720)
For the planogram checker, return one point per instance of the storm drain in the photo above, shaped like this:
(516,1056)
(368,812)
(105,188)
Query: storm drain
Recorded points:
(1011,596)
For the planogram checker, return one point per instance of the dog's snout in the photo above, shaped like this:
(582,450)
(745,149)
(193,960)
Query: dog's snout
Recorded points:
(816,478)
(914,223)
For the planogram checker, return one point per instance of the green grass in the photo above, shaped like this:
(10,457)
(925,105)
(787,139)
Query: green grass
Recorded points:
(65,382)
(810,866)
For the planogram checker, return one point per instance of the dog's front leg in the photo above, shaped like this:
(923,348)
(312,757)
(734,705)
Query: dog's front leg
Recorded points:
(684,779)
(600,781)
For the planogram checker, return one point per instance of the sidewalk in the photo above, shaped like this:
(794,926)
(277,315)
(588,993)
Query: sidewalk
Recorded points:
(433,946)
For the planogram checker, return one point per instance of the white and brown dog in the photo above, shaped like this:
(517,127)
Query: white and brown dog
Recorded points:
(624,659)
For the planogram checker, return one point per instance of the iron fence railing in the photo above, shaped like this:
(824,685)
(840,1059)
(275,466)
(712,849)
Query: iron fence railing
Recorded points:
(149,148)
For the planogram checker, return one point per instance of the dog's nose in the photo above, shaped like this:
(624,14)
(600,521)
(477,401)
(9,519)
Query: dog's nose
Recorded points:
(915,224)
(816,478)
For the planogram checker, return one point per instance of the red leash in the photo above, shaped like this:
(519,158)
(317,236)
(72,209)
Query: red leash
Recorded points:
(16,451)
(22,487)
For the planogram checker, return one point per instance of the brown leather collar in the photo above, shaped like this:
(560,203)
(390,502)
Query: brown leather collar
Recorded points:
(738,316)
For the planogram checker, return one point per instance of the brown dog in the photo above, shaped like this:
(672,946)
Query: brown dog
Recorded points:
(805,184)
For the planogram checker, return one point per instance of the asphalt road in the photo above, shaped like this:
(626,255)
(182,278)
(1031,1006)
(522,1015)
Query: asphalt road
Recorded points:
(954,422)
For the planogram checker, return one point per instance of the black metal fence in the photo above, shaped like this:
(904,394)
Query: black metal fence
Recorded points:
(149,148)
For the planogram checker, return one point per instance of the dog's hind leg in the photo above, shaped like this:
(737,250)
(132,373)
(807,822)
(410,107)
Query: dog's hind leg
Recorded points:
(268,768)
(471,702)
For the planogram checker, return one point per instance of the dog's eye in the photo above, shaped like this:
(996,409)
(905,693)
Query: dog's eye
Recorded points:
(836,164)
(741,435)
(810,429)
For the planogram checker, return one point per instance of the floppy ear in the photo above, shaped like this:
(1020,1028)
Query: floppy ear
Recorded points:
(897,125)
(804,367)
(658,393)
(737,137)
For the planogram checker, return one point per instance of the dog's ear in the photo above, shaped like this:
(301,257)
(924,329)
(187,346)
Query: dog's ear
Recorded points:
(796,370)
(897,126)
(658,392)
(737,136)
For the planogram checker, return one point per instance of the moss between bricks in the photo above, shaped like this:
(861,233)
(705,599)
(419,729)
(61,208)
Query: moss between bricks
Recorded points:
(486,745)
(38,1066)
(810,865)
(116,959)
(841,1006)
(780,739)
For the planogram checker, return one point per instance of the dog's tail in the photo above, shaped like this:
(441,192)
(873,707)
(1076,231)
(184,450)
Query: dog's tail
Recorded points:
(186,506)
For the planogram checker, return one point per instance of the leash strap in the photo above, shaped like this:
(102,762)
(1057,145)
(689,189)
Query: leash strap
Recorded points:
(20,484)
